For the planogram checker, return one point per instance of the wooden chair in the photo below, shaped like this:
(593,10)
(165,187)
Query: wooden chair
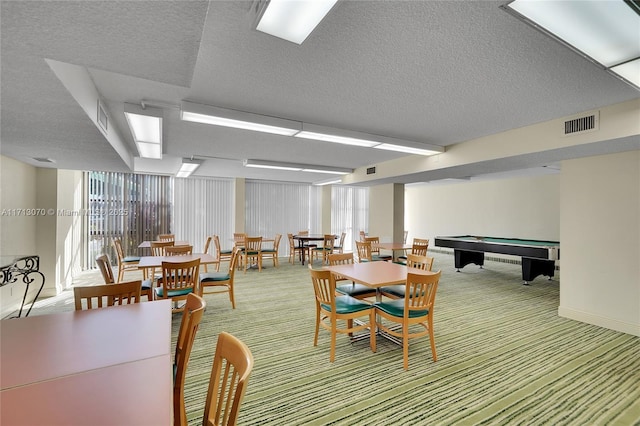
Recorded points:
(178,280)
(158,247)
(363,249)
(294,248)
(359,291)
(375,251)
(340,247)
(324,250)
(419,247)
(273,251)
(115,294)
(330,309)
(220,282)
(166,237)
(252,252)
(178,250)
(104,264)
(222,255)
(423,263)
(232,366)
(415,310)
(125,263)
(191,318)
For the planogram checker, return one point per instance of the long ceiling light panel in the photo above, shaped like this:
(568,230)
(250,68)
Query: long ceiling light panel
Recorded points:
(216,116)
(295,167)
(606,32)
(206,114)
(187,167)
(293,20)
(146,128)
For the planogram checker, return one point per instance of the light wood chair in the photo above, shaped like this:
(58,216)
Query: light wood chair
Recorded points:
(232,366)
(359,291)
(221,282)
(222,255)
(178,250)
(178,280)
(191,318)
(107,295)
(325,249)
(125,263)
(252,252)
(205,250)
(415,310)
(375,251)
(104,264)
(397,291)
(340,247)
(166,237)
(331,308)
(272,252)
(363,249)
(158,247)
(294,248)
(418,247)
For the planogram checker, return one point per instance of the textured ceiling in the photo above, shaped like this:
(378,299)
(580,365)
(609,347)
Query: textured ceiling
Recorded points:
(438,72)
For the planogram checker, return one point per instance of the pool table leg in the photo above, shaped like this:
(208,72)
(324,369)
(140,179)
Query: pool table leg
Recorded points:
(465,257)
(531,268)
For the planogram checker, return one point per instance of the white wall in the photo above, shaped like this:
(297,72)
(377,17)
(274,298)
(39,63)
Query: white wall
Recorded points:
(17,231)
(600,235)
(523,207)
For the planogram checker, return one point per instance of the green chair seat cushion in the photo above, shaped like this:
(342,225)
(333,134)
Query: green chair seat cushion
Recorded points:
(348,305)
(214,276)
(147,284)
(395,290)
(226,251)
(173,293)
(396,308)
(268,251)
(355,290)
(131,259)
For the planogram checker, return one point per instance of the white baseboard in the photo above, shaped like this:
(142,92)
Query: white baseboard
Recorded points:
(612,324)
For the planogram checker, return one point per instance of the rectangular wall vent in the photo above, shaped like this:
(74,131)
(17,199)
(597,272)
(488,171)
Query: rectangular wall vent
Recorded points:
(587,123)
(43,160)
(371,170)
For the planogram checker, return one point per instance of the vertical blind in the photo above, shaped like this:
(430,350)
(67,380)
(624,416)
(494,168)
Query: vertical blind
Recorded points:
(349,212)
(129,206)
(203,207)
(281,208)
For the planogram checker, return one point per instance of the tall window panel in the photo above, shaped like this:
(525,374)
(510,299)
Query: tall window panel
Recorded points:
(129,206)
(203,207)
(349,212)
(281,208)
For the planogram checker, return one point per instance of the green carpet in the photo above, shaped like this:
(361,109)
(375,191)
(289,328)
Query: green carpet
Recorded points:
(504,357)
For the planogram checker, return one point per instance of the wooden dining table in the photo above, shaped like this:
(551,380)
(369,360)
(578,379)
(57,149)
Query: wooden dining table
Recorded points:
(147,244)
(394,248)
(151,262)
(94,367)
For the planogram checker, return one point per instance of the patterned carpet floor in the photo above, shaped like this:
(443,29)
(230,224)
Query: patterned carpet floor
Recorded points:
(504,357)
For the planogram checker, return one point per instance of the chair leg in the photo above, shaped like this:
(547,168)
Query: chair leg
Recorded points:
(334,326)
(372,330)
(405,346)
(432,339)
(315,339)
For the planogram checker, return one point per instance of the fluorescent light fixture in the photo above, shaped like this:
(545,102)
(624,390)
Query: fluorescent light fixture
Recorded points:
(630,71)
(293,20)
(407,149)
(188,167)
(146,128)
(279,165)
(328,182)
(606,32)
(348,137)
(216,116)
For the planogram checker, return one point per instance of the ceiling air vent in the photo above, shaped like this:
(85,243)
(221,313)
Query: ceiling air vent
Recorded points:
(583,124)
(371,170)
(43,160)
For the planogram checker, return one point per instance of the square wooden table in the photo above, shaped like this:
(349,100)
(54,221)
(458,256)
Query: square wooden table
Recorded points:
(88,367)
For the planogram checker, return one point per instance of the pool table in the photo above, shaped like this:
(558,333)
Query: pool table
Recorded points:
(538,257)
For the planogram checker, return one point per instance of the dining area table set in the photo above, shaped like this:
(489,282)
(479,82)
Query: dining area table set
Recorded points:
(98,363)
